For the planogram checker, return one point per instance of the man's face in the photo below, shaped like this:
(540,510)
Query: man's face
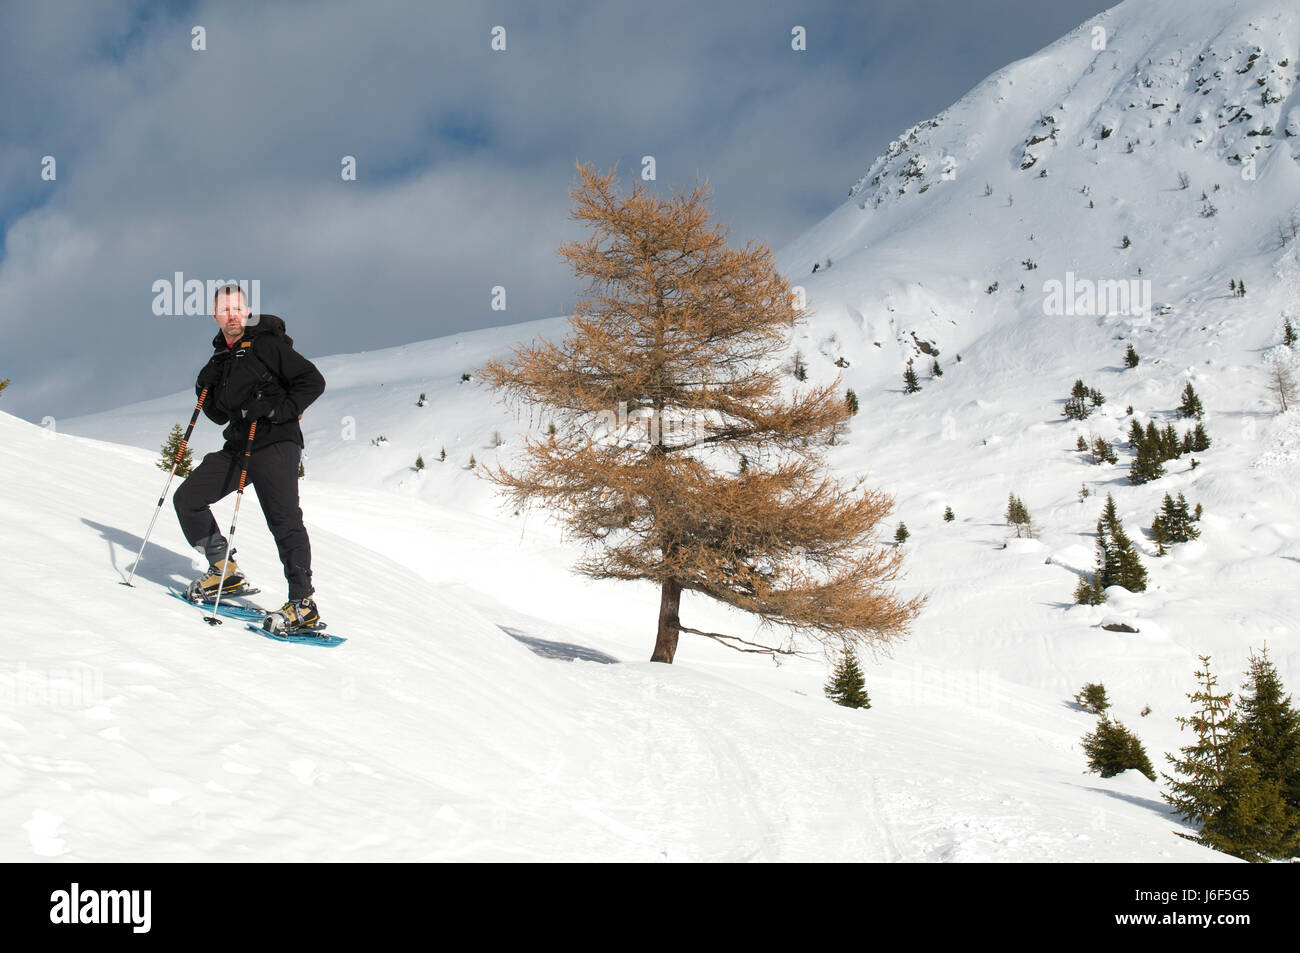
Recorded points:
(231,313)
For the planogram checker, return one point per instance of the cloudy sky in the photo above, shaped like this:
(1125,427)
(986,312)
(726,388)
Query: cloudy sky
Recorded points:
(226,162)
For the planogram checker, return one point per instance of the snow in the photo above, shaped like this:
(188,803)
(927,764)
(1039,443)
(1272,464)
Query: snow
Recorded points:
(492,705)
(132,731)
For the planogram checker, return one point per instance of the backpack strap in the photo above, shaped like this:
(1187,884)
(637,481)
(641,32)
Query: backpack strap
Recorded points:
(263,372)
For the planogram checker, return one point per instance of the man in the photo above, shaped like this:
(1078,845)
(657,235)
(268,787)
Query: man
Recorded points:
(254,375)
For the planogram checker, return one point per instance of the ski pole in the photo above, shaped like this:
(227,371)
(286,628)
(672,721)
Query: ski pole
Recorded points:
(230,540)
(180,451)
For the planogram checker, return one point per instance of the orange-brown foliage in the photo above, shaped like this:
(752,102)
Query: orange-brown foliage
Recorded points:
(667,377)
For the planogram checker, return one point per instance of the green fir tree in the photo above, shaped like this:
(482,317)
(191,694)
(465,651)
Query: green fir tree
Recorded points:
(1102,451)
(1117,558)
(910,383)
(847,687)
(1268,728)
(1200,439)
(1200,789)
(1159,535)
(1191,405)
(171,447)
(1132,574)
(1089,591)
(1173,524)
(1075,406)
(1112,749)
(1147,465)
(1219,787)
(1017,515)
(1251,821)
(1092,698)
(1194,793)
(1131,358)
(1107,559)
(1170,445)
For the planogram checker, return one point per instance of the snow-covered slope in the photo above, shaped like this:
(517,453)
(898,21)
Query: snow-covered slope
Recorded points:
(1077,147)
(971,749)
(473,715)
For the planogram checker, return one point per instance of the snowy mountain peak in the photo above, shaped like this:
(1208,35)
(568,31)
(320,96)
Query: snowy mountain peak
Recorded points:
(1211,79)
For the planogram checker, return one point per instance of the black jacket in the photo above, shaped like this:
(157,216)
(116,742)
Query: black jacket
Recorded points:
(264,364)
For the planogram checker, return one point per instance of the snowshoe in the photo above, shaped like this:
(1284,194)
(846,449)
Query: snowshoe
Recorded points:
(204,589)
(294,618)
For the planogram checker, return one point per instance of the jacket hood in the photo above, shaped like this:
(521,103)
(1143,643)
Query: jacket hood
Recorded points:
(257,324)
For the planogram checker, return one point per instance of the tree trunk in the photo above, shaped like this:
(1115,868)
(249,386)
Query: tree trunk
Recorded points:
(669,622)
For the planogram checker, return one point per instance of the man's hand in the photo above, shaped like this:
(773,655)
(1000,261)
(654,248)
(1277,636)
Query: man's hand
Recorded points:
(260,407)
(209,377)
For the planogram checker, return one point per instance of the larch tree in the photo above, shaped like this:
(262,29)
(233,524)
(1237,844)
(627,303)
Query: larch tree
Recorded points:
(1202,762)
(670,374)
(1282,376)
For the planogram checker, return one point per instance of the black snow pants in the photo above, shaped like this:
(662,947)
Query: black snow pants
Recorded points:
(273,470)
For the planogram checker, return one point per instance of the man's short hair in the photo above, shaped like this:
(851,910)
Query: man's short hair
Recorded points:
(228,288)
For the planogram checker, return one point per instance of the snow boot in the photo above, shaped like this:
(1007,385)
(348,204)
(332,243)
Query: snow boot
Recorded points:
(204,589)
(292,617)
